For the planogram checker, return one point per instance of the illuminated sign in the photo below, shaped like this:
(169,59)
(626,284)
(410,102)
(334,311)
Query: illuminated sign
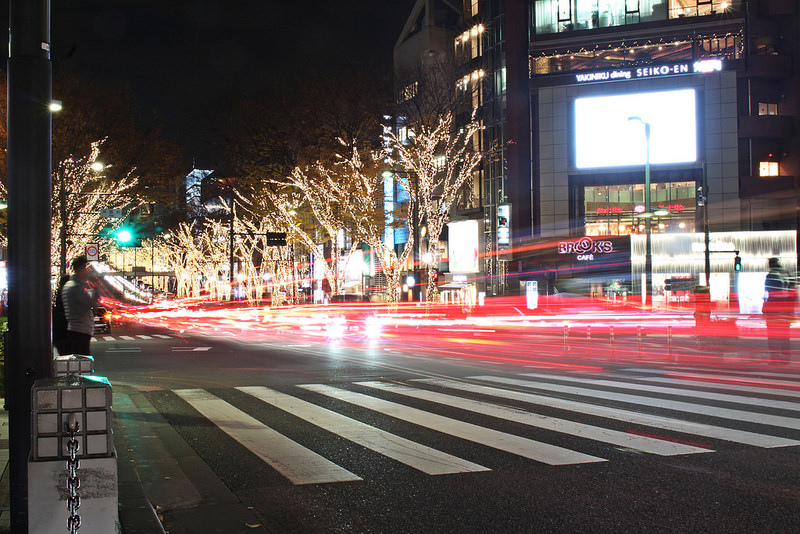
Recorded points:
(585,248)
(606,211)
(463,245)
(503,225)
(703,66)
(606,135)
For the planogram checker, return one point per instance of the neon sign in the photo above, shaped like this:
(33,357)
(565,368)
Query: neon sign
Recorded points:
(585,248)
(606,211)
(703,66)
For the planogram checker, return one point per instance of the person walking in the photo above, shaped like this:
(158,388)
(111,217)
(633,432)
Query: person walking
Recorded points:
(78,300)
(778,308)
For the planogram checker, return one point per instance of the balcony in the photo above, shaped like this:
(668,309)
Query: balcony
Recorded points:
(765,126)
(771,67)
(768,187)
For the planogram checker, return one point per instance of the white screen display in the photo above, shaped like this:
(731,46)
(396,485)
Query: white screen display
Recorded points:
(605,135)
(463,246)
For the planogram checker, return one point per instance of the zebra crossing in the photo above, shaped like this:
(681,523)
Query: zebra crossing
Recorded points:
(132,338)
(651,415)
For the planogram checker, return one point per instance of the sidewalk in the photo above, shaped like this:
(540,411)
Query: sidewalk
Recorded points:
(159,476)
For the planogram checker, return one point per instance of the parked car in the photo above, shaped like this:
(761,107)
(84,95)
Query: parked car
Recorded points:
(102,320)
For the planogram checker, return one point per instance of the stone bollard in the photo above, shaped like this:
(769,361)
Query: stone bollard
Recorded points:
(72,472)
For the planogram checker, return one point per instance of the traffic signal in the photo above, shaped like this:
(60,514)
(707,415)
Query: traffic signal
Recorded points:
(125,237)
(737,262)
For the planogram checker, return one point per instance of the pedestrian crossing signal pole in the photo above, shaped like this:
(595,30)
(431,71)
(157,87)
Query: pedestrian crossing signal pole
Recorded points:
(29,353)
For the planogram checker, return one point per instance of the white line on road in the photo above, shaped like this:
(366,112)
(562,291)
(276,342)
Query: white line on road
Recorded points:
(670,404)
(563,426)
(418,456)
(535,450)
(162,336)
(752,401)
(109,338)
(127,338)
(731,387)
(142,336)
(666,423)
(297,463)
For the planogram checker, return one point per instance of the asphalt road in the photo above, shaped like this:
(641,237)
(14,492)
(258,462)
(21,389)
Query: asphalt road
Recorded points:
(281,434)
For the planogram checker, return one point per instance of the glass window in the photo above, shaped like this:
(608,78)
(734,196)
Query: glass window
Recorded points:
(617,209)
(768,168)
(767,109)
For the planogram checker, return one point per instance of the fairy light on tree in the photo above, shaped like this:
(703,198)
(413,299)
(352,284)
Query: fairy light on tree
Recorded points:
(438,161)
(81,190)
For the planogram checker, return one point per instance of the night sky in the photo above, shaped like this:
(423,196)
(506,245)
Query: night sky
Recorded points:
(180,56)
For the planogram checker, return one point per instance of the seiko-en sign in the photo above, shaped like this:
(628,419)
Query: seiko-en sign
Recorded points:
(702,66)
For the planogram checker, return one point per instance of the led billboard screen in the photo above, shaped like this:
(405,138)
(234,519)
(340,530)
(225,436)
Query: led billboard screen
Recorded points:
(462,246)
(607,135)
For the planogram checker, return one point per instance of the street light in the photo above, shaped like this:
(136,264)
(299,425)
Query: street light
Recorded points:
(648,246)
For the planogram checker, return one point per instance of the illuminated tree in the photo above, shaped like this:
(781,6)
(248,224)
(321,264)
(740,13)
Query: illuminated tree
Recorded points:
(435,162)
(81,188)
(359,186)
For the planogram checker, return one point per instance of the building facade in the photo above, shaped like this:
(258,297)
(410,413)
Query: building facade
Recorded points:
(580,98)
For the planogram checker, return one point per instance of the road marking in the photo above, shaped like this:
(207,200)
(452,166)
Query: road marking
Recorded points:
(142,336)
(724,385)
(162,336)
(563,426)
(752,401)
(418,456)
(127,338)
(190,349)
(109,338)
(535,450)
(126,349)
(297,463)
(658,421)
(718,373)
(669,404)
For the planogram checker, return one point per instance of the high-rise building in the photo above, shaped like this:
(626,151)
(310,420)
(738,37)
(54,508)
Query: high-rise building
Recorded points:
(582,98)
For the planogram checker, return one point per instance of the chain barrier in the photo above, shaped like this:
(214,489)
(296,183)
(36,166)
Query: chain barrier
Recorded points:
(73,481)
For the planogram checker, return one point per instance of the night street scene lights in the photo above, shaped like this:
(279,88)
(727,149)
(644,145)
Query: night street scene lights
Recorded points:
(648,246)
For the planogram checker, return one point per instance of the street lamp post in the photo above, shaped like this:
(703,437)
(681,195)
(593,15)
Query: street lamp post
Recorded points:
(648,245)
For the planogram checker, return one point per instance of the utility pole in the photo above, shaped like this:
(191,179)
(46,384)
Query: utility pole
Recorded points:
(29,353)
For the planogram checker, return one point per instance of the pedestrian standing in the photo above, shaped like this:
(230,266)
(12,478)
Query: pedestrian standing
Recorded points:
(78,300)
(778,309)
(60,318)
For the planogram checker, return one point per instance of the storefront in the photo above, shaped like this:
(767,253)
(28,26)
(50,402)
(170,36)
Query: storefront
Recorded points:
(679,261)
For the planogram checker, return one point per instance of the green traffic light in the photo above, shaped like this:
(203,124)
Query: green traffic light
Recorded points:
(124,236)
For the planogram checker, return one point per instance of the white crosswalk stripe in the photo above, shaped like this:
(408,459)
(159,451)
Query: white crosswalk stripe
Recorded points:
(535,450)
(109,338)
(142,336)
(719,374)
(127,338)
(418,456)
(666,423)
(732,387)
(752,401)
(488,396)
(623,439)
(297,463)
(162,336)
(668,404)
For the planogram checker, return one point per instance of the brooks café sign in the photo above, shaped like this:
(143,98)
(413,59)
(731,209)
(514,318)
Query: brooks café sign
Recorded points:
(585,248)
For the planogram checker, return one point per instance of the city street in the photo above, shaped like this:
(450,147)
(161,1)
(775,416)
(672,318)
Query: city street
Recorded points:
(224,431)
